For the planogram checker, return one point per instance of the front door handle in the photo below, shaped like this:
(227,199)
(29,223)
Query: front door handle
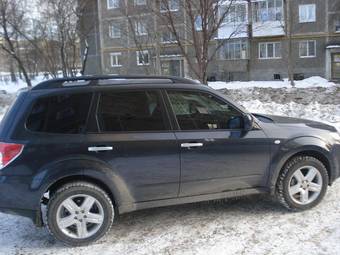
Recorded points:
(100,148)
(191,145)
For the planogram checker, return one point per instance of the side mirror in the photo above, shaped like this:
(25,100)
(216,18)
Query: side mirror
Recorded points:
(248,122)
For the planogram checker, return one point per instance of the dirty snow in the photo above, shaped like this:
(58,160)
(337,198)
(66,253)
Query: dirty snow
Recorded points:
(251,225)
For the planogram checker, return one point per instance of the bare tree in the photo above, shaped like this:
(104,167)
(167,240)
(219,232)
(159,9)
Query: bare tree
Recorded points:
(63,35)
(288,30)
(195,35)
(12,18)
(140,33)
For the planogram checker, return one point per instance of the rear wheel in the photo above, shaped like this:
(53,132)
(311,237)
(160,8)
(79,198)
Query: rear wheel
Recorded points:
(79,213)
(302,183)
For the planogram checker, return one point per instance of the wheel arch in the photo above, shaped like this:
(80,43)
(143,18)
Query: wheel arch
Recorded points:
(60,172)
(84,178)
(304,146)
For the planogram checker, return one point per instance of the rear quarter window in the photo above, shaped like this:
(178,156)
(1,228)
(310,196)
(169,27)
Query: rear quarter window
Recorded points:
(60,114)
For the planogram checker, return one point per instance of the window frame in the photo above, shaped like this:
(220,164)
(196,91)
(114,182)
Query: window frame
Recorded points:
(116,55)
(114,6)
(307,56)
(61,93)
(112,27)
(306,6)
(143,52)
(173,116)
(170,7)
(167,119)
(137,3)
(274,50)
(227,48)
(139,26)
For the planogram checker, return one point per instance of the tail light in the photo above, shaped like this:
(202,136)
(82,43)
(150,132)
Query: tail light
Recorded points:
(9,152)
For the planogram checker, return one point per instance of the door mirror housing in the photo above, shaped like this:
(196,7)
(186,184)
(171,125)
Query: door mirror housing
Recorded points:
(248,122)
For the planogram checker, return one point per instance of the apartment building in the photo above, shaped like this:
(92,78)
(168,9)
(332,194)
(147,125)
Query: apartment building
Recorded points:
(259,54)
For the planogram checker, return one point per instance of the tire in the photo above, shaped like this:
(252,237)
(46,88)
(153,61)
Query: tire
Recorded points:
(296,195)
(74,222)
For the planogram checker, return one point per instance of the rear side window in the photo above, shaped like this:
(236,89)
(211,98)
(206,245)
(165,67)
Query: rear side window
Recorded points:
(131,111)
(62,114)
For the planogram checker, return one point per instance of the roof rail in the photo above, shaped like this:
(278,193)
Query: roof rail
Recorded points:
(108,80)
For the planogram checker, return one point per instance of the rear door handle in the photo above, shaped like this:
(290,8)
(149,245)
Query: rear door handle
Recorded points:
(191,145)
(100,148)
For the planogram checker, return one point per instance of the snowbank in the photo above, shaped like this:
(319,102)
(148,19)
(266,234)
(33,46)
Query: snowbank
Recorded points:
(314,81)
(12,87)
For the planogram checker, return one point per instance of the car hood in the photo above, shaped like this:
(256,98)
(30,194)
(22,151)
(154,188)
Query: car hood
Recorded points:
(294,122)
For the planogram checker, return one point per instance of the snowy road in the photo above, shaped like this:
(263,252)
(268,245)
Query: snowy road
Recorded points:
(253,225)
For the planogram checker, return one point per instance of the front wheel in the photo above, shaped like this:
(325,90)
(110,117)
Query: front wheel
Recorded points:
(79,213)
(302,183)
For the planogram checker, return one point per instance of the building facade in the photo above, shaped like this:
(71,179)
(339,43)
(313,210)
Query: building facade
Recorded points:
(125,32)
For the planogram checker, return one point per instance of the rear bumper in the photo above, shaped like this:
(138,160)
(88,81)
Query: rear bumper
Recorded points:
(17,197)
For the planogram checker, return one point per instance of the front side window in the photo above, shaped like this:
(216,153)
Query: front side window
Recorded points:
(62,114)
(307,13)
(307,49)
(202,111)
(131,111)
(270,50)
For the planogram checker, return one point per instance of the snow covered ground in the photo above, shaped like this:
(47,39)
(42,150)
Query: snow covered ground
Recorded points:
(251,225)
(315,81)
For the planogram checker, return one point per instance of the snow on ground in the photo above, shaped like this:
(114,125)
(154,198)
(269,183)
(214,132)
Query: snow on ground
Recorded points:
(11,87)
(329,114)
(251,225)
(315,81)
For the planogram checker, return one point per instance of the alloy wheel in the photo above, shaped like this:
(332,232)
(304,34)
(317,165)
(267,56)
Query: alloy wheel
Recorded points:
(80,216)
(305,185)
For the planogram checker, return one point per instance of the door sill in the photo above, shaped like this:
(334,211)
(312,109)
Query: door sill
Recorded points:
(189,199)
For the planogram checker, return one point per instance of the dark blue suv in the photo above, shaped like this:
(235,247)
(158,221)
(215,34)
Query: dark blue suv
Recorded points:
(90,148)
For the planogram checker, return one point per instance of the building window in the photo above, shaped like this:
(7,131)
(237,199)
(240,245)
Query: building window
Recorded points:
(307,13)
(267,10)
(198,23)
(270,50)
(140,28)
(169,5)
(140,2)
(114,31)
(112,4)
(234,13)
(337,28)
(307,49)
(115,59)
(143,58)
(168,37)
(234,50)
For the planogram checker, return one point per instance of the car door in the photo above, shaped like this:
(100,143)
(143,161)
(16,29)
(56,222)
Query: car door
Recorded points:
(136,140)
(217,154)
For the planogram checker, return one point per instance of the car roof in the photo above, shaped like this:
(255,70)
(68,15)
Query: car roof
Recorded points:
(113,80)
